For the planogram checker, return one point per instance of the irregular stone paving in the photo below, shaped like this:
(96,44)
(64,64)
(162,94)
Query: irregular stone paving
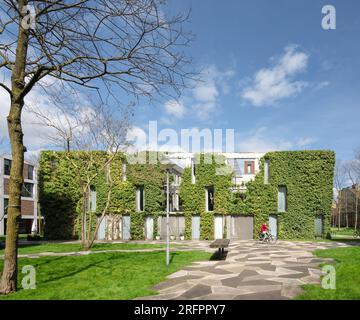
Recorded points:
(251,270)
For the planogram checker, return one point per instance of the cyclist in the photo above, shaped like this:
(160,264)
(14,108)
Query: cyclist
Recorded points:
(264,231)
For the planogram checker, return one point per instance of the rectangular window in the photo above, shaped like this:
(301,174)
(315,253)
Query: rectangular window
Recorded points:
(107,173)
(249,167)
(193,171)
(282,199)
(30,172)
(92,199)
(123,171)
(6,204)
(236,164)
(140,199)
(266,172)
(27,190)
(7,166)
(209,198)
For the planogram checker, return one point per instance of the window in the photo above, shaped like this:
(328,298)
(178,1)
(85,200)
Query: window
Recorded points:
(282,199)
(249,167)
(107,173)
(30,172)
(6,204)
(266,171)
(209,198)
(123,171)
(7,166)
(193,171)
(92,199)
(27,190)
(140,200)
(236,164)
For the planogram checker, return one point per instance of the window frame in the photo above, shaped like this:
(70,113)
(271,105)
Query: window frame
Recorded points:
(252,167)
(284,207)
(30,176)
(140,195)
(207,200)
(7,164)
(23,188)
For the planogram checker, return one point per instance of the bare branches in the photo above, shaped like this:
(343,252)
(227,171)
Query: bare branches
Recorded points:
(131,45)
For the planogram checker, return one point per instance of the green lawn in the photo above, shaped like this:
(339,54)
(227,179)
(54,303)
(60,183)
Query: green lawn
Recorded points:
(101,276)
(62,247)
(345,233)
(347,266)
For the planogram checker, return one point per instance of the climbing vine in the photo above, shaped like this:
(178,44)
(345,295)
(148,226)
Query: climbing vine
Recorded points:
(208,173)
(60,196)
(307,175)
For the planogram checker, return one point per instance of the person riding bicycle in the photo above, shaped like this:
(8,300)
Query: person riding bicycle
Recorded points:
(264,231)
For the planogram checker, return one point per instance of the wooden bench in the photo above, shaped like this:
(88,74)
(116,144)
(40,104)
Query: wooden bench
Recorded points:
(220,244)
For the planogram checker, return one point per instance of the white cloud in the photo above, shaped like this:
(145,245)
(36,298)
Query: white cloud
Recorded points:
(261,140)
(305,142)
(175,108)
(207,90)
(35,134)
(258,140)
(272,84)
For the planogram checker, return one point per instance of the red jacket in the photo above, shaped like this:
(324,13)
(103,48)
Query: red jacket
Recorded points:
(263,228)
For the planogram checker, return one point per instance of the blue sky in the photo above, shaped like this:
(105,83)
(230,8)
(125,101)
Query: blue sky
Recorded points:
(271,73)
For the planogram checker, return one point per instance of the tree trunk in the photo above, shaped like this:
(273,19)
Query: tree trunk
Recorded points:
(9,275)
(346,211)
(356,210)
(339,211)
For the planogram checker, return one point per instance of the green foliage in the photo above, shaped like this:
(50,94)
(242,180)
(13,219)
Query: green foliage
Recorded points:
(308,177)
(209,172)
(61,197)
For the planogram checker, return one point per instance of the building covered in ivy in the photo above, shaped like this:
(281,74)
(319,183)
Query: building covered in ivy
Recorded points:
(227,195)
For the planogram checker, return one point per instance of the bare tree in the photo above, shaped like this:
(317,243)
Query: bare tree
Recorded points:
(339,180)
(105,45)
(353,172)
(96,129)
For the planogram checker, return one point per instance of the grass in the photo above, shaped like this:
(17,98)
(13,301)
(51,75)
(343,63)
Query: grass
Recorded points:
(346,233)
(73,247)
(101,276)
(21,236)
(347,266)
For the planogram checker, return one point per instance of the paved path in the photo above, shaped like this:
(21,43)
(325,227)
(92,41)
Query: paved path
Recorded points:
(251,270)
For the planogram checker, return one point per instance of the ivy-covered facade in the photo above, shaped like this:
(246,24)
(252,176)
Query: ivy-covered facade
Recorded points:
(223,195)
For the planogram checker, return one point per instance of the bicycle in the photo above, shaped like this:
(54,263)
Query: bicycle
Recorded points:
(267,238)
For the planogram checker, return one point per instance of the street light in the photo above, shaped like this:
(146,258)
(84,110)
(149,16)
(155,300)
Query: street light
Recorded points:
(168,165)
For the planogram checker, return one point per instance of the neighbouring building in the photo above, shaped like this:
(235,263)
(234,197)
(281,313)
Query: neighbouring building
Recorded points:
(223,195)
(29,203)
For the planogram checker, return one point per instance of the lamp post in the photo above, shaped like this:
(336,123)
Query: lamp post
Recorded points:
(167,218)
(168,167)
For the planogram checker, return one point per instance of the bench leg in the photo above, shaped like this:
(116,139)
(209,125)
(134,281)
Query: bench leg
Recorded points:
(222,250)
